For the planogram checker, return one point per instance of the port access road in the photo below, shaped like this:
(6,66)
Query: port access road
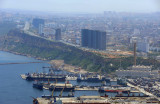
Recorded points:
(143,91)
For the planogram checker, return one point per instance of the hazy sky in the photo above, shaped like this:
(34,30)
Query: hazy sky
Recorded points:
(88,6)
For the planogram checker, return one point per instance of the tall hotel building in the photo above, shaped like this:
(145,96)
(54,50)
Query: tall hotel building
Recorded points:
(58,34)
(93,39)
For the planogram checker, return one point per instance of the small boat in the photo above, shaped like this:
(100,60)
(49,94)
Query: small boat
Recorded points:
(38,85)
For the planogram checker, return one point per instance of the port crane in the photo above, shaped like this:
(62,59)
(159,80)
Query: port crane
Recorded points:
(60,95)
(54,88)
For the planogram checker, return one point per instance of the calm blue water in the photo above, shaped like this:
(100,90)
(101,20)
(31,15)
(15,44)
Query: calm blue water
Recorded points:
(15,90)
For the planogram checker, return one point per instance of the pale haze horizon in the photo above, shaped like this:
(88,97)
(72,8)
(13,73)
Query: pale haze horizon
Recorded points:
(86,6)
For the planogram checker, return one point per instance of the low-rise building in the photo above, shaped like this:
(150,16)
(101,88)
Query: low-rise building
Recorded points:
(138,71)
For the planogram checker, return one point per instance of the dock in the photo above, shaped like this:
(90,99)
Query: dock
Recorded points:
(76,100)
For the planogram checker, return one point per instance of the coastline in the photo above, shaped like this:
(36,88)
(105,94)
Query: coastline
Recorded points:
(27,55)
(69,68)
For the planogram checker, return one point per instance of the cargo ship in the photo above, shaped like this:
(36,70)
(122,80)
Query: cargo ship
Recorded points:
(51,75)
(114,90)
(60,87)
(43,76)
(121,95)
(71,94)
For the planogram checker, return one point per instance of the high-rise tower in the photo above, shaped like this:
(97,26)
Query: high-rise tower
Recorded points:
(93,39)
(58,34)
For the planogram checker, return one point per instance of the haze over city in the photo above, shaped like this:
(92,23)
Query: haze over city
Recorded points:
(79,51)
(83,6)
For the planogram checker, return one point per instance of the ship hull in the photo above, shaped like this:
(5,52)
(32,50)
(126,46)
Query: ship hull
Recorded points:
(38,86)
(61,88)
(114,91)
(45,79)
(131,96)
(92,80)
(50,96)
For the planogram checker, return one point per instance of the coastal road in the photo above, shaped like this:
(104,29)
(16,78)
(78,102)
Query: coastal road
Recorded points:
(143,91)
(27,26)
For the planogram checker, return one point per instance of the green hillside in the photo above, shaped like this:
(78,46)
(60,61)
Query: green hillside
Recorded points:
(17,41)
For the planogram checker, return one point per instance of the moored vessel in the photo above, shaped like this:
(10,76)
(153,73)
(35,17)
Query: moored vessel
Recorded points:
(114,89)
(59,87)
(38,85)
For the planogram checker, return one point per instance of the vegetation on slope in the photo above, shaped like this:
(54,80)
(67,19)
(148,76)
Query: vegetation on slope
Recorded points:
(17,41)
